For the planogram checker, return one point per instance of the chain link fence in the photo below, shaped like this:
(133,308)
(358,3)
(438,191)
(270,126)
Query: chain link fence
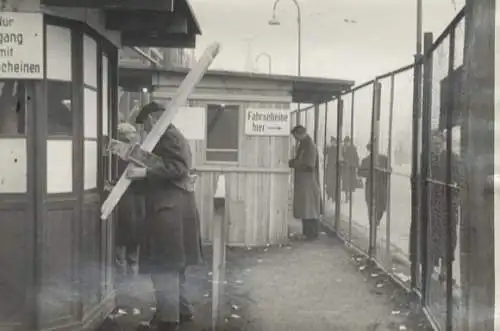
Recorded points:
(376,173)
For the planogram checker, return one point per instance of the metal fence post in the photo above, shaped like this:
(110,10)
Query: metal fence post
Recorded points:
(340,118)
(377,89)
(425,162)
(352,138)
(415,230)
(389,189)
(325,137)
(449,205)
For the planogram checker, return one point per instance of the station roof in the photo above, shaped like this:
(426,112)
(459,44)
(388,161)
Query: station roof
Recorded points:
(145,23)
(302,89)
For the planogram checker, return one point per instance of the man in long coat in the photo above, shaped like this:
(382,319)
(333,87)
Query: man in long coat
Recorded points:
(172,238)
(306,194)
(350,166)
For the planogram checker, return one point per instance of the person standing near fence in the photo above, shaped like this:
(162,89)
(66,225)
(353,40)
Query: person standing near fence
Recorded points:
(380,182)
(350,166)
(306,194)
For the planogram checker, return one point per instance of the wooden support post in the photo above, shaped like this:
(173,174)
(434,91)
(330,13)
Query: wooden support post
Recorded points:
(219,254)
(480,225)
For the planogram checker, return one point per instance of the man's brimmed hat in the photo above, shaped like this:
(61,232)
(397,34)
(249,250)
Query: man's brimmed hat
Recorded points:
(150,108)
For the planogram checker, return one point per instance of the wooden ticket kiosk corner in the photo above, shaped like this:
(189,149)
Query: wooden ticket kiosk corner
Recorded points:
(238,125)
(58,108)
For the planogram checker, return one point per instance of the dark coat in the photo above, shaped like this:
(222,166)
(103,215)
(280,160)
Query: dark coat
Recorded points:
(380,181)
(331,172)
(131,213)
(306,193)
(172,239)
(349,168)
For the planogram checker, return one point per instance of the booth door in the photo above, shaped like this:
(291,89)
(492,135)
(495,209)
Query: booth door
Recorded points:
(76,250)
(16,202)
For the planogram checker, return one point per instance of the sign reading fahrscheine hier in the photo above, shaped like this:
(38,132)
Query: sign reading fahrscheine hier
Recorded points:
(267,122)
(21,45)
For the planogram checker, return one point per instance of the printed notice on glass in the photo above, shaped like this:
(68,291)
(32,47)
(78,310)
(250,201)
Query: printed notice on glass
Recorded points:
(267,122)
(21,45)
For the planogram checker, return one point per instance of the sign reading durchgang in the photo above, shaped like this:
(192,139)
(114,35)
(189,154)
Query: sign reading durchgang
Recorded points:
(21,45)
(267,122)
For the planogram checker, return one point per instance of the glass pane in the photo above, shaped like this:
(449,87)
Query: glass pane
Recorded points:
(59,166)
(229,156)
(13,168)
(90,164)
(58,53)
(89,61)
(222,127)
(12,108)
(60,117)
(105,100)
(90,113)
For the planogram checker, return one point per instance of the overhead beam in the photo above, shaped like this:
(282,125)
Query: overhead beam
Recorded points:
(159,5)
(142,38)
(126,20)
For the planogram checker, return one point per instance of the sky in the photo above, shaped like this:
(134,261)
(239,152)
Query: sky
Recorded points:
(382,38)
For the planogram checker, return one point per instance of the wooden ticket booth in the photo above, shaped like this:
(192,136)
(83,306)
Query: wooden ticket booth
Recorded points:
(239,127)
(58,106)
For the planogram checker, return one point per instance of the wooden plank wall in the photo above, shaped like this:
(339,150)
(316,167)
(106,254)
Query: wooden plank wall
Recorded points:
(257,197)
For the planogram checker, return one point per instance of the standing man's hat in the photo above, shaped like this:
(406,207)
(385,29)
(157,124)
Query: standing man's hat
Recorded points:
(147,110)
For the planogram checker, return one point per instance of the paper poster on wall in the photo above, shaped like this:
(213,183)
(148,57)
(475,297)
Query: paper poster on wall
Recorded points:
(191,121)
(21,45)
(267,122)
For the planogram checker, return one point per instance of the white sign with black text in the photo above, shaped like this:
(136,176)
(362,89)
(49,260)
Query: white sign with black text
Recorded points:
(267,122)
(21,45)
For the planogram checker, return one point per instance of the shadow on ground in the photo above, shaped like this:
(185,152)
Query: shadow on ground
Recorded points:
(312,286)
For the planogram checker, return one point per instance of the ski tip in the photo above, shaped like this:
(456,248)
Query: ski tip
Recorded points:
(214,49)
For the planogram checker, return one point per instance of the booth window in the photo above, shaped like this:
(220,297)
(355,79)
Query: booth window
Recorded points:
(59,79)
(12,108)
(59,110)
(90,112)
(222,133)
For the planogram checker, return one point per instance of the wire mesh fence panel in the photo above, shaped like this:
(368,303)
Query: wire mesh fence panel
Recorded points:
(381,175)
(436,184)
(344,222)
(320,142)
(302,118)
(356,155)
(331,164)
(310,121)
(458,102)
(400,181)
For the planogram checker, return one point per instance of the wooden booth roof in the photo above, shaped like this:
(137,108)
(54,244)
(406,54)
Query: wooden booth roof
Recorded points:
(311,90)
(145,23)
